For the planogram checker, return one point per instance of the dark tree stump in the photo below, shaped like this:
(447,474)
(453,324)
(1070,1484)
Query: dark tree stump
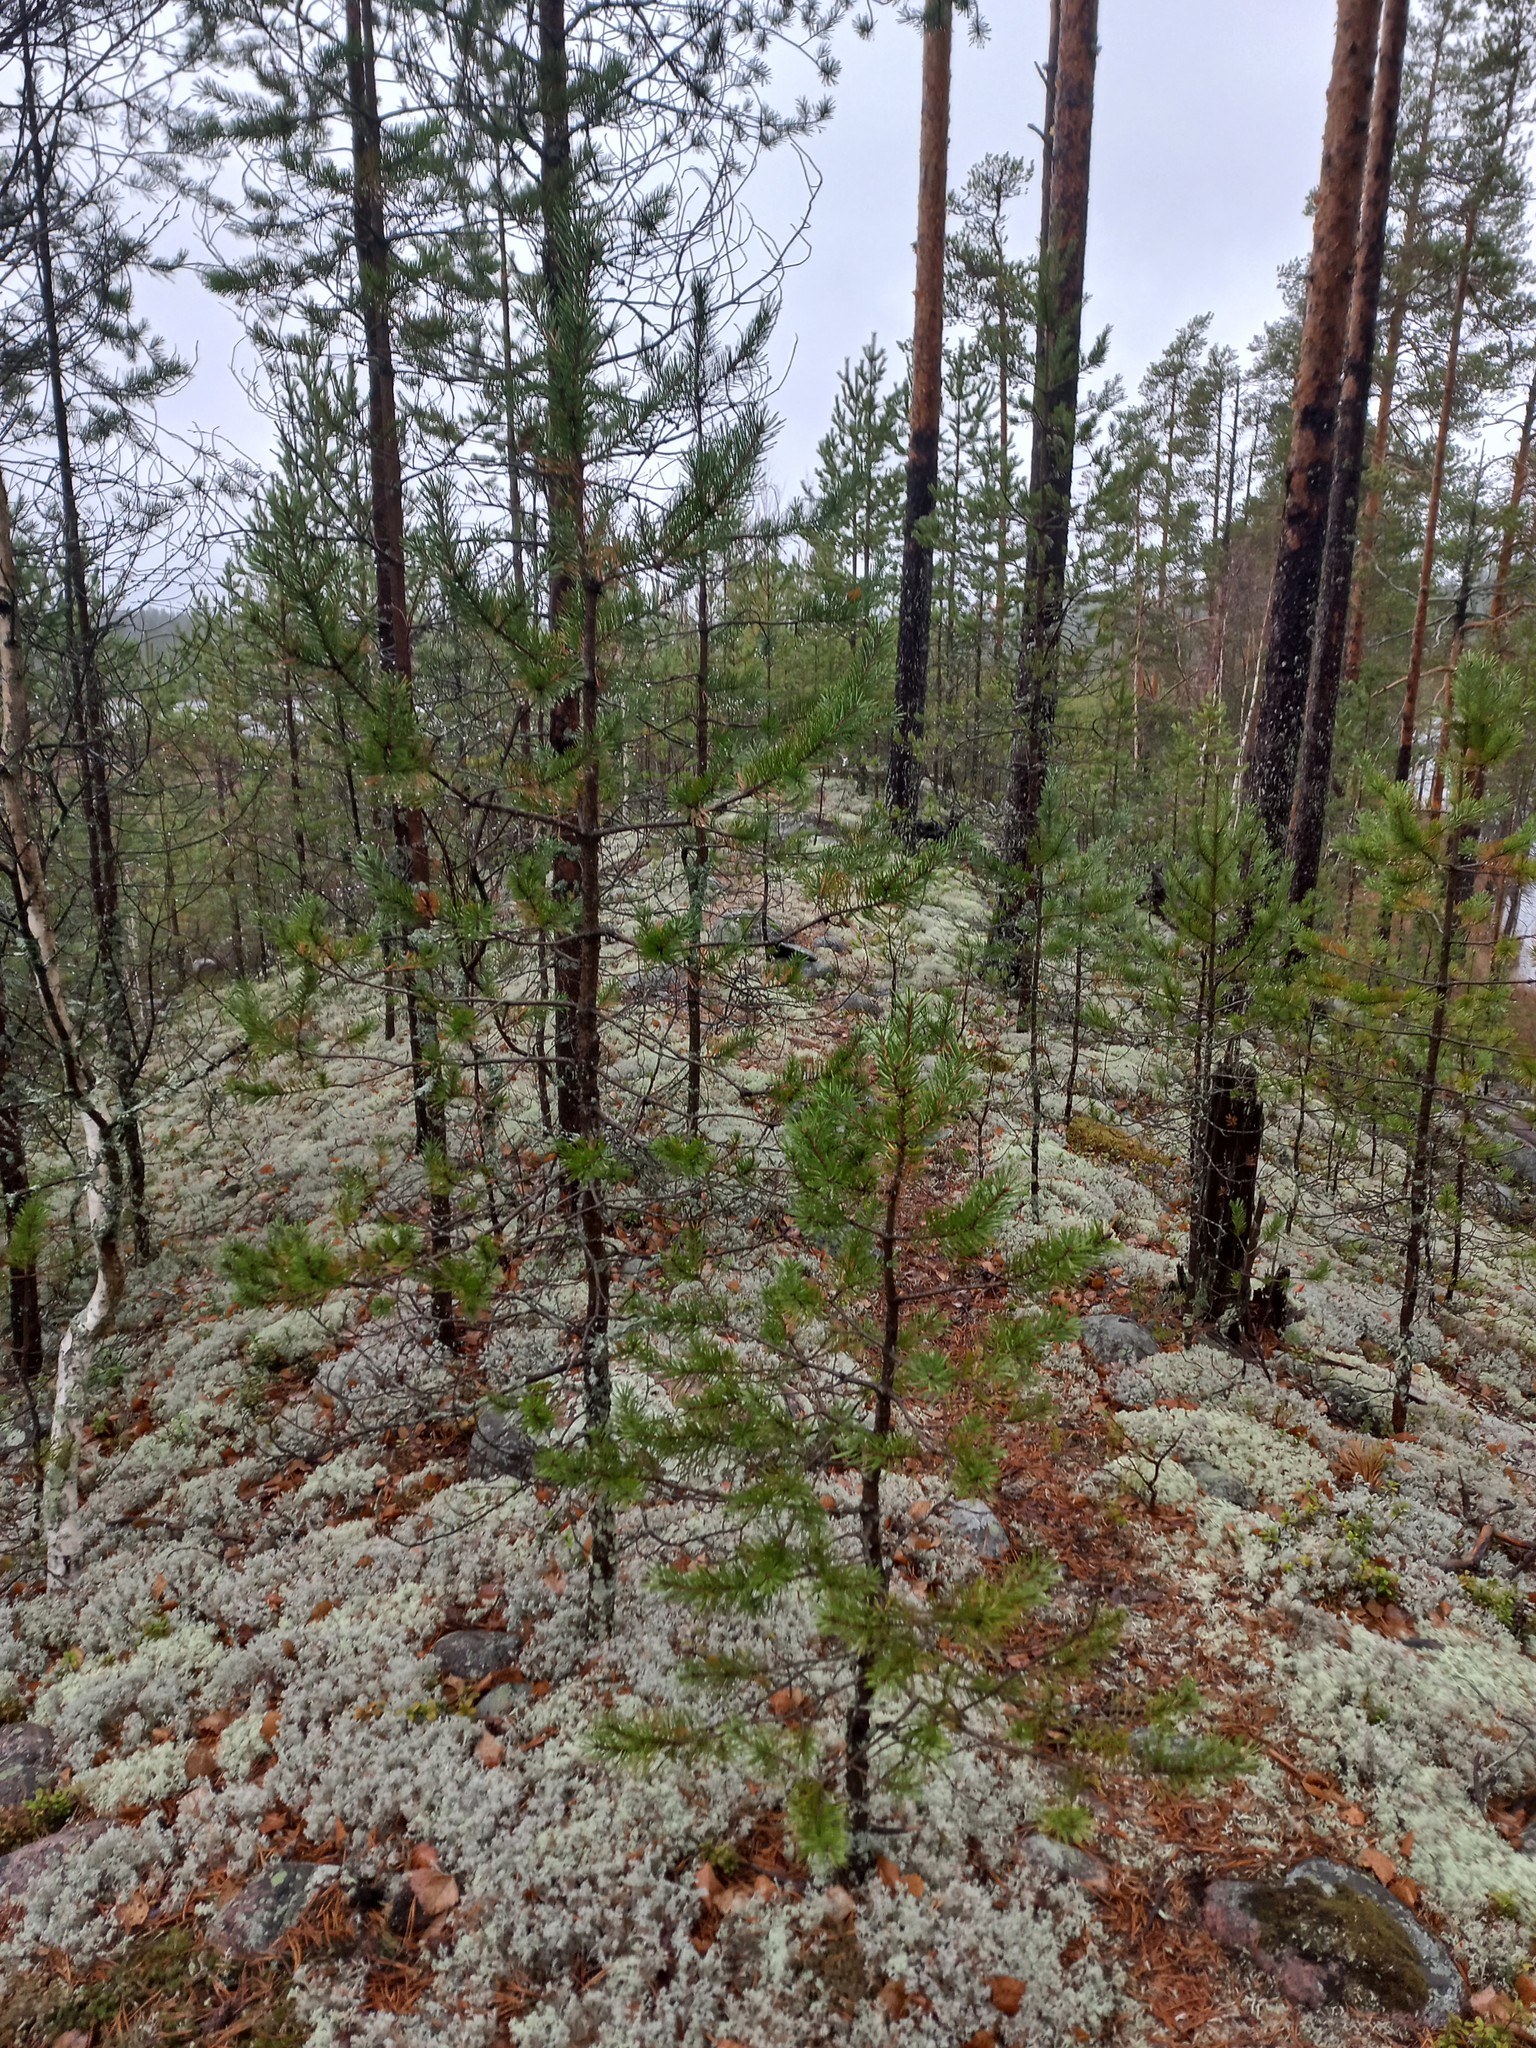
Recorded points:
(1224,1218)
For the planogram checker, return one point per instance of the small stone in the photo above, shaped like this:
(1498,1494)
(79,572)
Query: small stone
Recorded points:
(500,1447)
(262,1912)
(974,1522)
(1117,1340)
(496,1704)
(26,1762)
(1331,1936)
(1061,1859)
(862,1005)
(21,1869)
(474,1653)
(1219,1484)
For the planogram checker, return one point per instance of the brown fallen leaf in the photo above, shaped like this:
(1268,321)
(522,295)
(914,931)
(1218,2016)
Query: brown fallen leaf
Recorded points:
(982,2038)
(435,1891)
(1525,1989)
(1405,1847)
(839,1906)
(1008,1994)
(423,1857)
(888,1870)
(892,1999)
(134,1910)
(1381,1867)
(321,1609)
(1405,1890)
(203,1759)
(269,1724)
(1353,1816)
(787,1702)
(488,1750)
(914,1884)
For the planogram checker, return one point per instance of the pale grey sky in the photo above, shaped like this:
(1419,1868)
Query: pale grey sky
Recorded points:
(1207,134)
(1208,125)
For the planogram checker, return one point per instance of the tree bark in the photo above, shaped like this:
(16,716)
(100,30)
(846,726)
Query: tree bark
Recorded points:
(1309,810)
(904,774)
(1499,603)
(16,1189)
(387,500)
(93,1101)
(1271,768)
(1058,358)
(573,727)
(89,705)
(1413,214)
(1223,1217)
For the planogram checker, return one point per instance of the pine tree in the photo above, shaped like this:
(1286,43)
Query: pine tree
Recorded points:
(790,1415)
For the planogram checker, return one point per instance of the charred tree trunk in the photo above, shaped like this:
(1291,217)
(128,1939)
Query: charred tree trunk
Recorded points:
(904,774)
(1224,1215)
(1058,356)
(387,494)
(1309,810)
(1271,768)
(16,1191)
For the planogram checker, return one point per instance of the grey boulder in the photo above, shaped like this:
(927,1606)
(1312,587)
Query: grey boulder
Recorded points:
(26,1762)
(23,1867)
(1331,1936)
(974,1522)
(266,1908)
(1117,1340)
(500,1447)
(1061,1860)
(472,1654)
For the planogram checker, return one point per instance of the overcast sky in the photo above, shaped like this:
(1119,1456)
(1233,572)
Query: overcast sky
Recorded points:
(1208,125)
(1207,134)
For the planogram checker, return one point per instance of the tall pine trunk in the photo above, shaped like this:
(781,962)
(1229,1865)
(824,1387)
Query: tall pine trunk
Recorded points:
(1499,604)
(1309,810)
(1409,716)
(575,585)
(1067,157)
(904,774)
(387,510)
(1413,223)
(1271,767)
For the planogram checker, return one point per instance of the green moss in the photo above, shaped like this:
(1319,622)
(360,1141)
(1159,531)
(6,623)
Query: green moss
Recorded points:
(1498,1598)
(161,1988)
(1475,2034)
(1071,1823)
(1107,1142)
(43,1814)
(1378,1965)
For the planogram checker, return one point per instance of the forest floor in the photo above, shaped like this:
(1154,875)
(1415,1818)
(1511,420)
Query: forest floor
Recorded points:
(318,1761)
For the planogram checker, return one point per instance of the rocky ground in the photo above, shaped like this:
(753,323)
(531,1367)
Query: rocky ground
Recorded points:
(306,1754)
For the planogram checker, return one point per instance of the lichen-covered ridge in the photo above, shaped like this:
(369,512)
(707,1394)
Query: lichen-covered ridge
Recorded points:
(282,1523)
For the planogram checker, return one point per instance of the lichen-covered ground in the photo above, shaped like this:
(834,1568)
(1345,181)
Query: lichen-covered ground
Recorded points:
(281,1525)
